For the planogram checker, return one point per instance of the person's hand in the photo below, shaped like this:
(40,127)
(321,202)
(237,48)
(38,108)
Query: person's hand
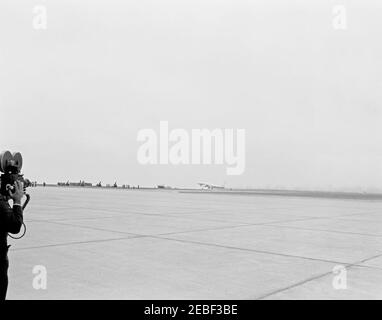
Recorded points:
(17,193)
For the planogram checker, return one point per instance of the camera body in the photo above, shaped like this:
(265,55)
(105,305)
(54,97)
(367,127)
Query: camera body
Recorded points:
(10,166)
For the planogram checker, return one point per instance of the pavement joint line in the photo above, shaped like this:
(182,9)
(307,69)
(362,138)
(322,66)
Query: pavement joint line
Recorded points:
(299,219)
(172,233)
(361,220)
(190,231)
(347,265)
(113,211)
(369,258)
(175,233)
(226,227)
(297,284)
(169,233)
(226,221)
(121,214)
(246,249)
(69,219)
(39,207)
(356,214)
(272,207)
(129,233)
(236,221)
(107,215)
(324,230)
(368,267)
(160,236)
(156,215)
(77,242)
(92,228)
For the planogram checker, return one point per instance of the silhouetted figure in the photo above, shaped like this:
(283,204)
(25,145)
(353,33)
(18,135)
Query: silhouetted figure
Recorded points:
(11,220)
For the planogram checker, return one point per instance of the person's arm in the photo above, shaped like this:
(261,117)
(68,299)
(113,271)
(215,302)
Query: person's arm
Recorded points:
(11,219)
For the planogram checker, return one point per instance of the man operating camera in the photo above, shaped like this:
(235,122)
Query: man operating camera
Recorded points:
(11,220)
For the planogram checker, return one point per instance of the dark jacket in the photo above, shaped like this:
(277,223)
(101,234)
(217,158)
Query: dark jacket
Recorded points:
(11,220)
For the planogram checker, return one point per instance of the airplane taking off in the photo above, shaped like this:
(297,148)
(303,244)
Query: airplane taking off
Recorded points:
(210,186)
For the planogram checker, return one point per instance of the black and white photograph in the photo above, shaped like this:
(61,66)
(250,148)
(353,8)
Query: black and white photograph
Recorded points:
(190,150)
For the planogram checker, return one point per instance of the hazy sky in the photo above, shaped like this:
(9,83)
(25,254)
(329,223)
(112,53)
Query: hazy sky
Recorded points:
(73,96)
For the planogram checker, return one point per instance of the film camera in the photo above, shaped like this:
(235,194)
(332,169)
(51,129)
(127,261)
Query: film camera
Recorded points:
(10,166)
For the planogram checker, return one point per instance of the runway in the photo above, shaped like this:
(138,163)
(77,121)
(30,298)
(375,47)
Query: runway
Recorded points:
(163,244)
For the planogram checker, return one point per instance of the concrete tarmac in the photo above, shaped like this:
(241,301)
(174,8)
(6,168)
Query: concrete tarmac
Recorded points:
(162,244)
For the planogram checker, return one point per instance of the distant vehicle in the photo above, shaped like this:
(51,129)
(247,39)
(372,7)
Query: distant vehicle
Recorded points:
(208,186)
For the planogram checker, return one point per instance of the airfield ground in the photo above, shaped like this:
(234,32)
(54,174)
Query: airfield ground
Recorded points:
(163,244)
